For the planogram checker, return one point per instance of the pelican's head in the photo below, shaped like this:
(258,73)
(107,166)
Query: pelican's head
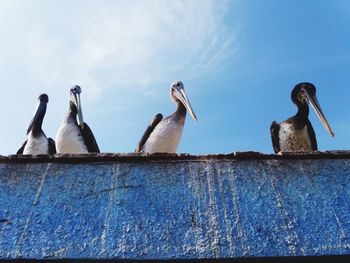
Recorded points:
(75,99)
(178,95)
(304,94)
(43,98)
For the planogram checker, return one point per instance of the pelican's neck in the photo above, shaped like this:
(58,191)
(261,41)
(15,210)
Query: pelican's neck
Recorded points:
(36,130)
(72,114)
(180,113)
(302,115)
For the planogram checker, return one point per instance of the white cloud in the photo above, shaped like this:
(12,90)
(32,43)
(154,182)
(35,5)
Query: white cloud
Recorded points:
(124,47)
(117,44)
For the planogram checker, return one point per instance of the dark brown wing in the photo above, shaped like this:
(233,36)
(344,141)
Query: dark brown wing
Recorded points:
(20,150)
(148,132)
(89,138)
(274,130)
(311,133)
(52,146)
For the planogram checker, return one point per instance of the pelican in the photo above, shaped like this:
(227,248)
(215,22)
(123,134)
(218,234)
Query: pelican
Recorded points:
(296,133)
(72,137)
(37,142)
(163,135)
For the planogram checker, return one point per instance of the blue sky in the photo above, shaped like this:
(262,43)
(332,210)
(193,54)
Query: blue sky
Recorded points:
(238,60)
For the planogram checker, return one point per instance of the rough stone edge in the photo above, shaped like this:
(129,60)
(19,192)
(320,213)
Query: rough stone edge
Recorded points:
(136,157)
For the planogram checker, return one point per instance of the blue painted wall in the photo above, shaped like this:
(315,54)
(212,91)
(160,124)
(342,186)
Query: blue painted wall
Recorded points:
(174,208)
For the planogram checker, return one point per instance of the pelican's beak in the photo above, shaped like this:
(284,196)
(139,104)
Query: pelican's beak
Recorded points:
(317,108)
(41,109)
(181,95)
(77,102)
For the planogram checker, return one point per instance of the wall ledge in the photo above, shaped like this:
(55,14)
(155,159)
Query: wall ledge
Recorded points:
(136,157)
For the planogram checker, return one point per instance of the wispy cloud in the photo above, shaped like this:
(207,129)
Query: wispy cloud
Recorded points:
(125,47)
(118,44)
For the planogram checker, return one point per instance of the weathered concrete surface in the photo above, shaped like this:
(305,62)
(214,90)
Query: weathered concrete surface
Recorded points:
(182,207)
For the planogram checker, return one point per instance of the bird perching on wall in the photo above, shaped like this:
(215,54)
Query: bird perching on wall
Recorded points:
(163,135)
(72,137)
(296,133)
(37,142)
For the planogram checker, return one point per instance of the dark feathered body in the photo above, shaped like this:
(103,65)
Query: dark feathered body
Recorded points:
(290,136)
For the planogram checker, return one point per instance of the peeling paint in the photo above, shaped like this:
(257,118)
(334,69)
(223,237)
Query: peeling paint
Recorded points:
(174,206)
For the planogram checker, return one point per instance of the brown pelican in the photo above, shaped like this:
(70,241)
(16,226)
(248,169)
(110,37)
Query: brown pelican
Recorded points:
(296,133)
(73,137)
(37,142)
(163,135)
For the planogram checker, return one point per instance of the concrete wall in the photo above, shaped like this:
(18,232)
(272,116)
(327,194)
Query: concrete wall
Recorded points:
(174,206)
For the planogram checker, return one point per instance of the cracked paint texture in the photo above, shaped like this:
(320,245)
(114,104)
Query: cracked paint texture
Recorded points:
(177,209)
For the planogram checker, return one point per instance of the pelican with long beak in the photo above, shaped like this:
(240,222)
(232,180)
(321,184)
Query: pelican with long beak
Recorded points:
(74,137)
(37,142)
(163,135)
(296,133)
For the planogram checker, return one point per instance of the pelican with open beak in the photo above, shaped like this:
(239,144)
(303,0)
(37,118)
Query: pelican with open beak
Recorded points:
(296,133)
(37,142)
(74,137)
(163,135)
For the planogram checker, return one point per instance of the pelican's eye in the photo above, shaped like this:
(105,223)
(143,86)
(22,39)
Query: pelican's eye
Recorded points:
(302,97)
